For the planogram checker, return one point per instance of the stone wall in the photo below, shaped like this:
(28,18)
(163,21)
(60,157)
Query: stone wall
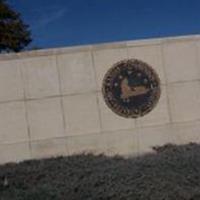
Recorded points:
(51,101)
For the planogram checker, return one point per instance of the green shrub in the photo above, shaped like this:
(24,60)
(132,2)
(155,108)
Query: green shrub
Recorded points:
(171,173)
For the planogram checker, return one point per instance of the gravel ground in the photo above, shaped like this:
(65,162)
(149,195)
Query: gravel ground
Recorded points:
(171,173)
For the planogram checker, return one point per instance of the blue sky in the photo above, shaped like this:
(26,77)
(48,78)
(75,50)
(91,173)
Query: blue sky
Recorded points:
(57,23)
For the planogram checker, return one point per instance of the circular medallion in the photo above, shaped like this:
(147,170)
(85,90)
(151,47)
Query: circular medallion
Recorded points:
(131,88)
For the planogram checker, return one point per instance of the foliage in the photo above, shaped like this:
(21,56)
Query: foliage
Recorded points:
(171,173)
(14,34)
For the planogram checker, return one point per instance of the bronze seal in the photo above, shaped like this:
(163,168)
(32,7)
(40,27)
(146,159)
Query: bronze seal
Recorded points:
(131,88)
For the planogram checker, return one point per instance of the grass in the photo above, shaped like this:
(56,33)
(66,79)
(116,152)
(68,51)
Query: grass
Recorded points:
(171,173)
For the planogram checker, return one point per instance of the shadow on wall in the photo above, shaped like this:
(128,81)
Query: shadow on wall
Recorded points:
(171,173)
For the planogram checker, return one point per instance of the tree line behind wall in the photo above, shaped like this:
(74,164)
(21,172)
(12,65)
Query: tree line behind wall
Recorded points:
(14,33)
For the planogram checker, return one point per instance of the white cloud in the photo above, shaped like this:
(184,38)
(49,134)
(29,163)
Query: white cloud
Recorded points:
(45,16)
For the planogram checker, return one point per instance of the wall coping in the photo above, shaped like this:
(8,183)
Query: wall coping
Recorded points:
(96,47)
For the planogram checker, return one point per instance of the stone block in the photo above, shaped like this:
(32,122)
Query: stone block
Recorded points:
(45,118)
(154,136)
(40,77)
(151,55)
(187,132)
(81,114)
(197,43)
(92,143)
(13,125)
(159,115)
(104,59)
(111,121)
(122,142)
(180,61)
(49,148)
(11,84)
(76,73)
(14,152)
(184,99)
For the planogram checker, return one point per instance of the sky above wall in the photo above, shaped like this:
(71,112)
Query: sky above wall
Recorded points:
(58,23)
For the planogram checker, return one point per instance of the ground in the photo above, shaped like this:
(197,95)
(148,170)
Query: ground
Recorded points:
(171,173)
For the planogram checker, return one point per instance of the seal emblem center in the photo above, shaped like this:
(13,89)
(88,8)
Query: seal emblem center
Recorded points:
(131,88)
(131,91)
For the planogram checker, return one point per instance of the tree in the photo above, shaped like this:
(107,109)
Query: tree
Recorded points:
(14,34)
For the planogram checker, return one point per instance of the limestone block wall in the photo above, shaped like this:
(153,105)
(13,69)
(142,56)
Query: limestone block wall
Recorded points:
(51,102)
